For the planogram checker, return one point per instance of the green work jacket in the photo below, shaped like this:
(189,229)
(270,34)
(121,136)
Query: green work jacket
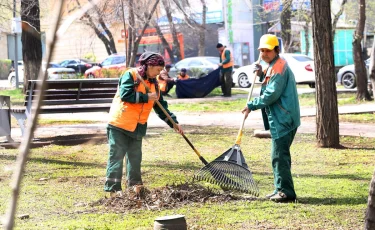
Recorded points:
(278,99)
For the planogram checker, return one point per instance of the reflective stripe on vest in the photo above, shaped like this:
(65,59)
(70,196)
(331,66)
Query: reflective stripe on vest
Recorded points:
(127,115)
(231,62)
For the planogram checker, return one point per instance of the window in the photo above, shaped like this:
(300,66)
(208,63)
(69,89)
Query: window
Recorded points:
(118,60)
(213,60)
(107,61)
(195,63)
(182,64)
(72,62)
(302,58)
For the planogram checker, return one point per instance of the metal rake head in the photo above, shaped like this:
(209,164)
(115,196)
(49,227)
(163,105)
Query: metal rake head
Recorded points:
(228,175)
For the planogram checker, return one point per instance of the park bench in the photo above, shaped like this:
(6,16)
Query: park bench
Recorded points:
(68,96)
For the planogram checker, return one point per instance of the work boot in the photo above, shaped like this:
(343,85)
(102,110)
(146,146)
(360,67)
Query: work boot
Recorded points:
(268,196)
(281,197)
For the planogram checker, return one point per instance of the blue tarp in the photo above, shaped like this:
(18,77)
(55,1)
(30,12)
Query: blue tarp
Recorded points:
(193,88)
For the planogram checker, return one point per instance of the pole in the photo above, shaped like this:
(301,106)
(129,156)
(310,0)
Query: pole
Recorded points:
(15,44)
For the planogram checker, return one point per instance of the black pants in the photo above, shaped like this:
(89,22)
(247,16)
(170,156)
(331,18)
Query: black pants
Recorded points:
(169,87)
(226,83)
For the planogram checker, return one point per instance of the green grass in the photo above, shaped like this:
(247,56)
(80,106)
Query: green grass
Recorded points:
(331,184)
(16,96)
(358,118)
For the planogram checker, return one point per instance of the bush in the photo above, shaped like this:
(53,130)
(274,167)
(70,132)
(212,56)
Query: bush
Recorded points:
(5,65)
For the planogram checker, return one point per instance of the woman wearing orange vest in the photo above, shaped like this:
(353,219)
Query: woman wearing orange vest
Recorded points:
(226,64)
(127,125)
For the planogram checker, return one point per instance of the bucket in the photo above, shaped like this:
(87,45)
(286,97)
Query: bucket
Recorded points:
(174,222)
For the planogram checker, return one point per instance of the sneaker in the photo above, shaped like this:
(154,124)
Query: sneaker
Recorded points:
(281,197)
(116,194)
(270,195)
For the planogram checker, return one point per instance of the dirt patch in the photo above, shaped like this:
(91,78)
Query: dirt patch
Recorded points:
(167,197)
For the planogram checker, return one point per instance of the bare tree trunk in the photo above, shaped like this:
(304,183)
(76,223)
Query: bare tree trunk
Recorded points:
(370,212)
(286,28)
(148,17)
(176,43)
(307,32)
(108,41)
(163,41)
(336,18)
(131,31)
(202,31)
(327,122)
(372,68)
(31,43)
(359,64)
(124,22)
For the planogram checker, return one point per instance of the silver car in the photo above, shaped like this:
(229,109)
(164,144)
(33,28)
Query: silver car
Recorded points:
(346,75)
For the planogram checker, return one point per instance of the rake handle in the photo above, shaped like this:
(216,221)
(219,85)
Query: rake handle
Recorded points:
(240,131)
(172,121)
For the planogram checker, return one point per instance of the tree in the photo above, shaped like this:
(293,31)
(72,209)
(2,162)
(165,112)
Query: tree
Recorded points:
(176,43)
(286,28)
(370,212)
(327,121)
(336,17)
(95,19)
(359,63)
(202,30)
(31,43)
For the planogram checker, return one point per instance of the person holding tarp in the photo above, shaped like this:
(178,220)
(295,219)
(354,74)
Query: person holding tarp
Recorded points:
(226,66)
(183,75)
(166,83)
(281,114)
(127,124)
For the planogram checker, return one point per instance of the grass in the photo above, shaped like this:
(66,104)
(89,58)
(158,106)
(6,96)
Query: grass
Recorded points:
(332,184)
(16,96)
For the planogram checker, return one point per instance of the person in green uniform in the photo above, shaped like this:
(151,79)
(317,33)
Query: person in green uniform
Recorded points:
(281,114)
(127,125)
(226,64)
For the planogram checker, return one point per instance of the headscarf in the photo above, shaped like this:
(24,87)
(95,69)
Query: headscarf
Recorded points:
(149,59)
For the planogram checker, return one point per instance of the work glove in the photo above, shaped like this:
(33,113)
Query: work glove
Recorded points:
(257,69)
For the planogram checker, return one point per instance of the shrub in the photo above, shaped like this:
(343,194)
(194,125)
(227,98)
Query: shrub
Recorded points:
(5,66)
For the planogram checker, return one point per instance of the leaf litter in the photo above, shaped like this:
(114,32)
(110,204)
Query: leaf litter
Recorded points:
(167,197)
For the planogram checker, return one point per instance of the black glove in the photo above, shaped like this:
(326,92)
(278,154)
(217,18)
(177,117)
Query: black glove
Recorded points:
(258,69)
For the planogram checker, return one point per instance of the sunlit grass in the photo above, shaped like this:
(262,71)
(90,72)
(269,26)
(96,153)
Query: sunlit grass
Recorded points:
(331,184)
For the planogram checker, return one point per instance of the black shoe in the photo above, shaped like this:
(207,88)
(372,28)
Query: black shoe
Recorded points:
(167,95)
(281,197)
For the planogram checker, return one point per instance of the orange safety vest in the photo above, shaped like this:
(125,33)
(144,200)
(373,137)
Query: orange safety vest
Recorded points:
(183,78)
(231,62)
(126,115)
(162,83)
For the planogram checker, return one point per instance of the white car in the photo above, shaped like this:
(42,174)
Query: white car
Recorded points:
(55,71)
(301,65)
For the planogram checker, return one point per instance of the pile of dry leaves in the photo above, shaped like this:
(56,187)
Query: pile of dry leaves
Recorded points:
(170,196)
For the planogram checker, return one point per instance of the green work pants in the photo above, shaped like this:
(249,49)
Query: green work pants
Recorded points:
(121,145)
(281,164)
(226,81)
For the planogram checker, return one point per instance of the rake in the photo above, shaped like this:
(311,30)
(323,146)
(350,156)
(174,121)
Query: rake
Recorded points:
(231,165)
(222,179)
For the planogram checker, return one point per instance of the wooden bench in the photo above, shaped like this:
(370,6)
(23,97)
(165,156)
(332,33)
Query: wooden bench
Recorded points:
(68,96)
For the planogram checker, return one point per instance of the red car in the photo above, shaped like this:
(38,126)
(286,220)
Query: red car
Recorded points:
(112,67)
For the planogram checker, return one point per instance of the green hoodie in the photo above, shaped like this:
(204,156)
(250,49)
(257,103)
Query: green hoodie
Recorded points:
(279,99)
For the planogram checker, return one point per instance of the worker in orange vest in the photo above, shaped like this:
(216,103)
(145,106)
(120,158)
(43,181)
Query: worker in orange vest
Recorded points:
(127,124)
(183,75)
(226,64)
(166,83)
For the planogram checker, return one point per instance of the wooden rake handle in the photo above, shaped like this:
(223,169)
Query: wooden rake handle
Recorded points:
(172,121)
(240,131)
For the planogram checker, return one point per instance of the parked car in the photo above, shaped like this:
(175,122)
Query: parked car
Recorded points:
(301,65)
(55,71)
(196,66)
(112,67)
(79,65)
(346,75)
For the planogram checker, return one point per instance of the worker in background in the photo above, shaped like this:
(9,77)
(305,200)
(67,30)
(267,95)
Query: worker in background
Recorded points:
(166,83)
(183,75)
(127,125)
(281,114)
(226,64)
